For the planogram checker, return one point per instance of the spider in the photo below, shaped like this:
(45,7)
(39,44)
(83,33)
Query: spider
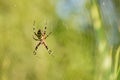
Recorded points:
(41,37)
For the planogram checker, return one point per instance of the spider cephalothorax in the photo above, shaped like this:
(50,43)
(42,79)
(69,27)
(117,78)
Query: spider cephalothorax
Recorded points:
(41,36)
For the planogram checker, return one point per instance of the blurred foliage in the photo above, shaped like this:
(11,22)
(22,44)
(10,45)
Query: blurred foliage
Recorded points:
(82,39)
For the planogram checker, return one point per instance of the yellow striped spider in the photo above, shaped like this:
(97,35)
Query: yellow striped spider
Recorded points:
(41,37)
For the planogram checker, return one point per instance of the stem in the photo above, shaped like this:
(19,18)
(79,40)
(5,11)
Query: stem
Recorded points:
(118,71)
(116,64)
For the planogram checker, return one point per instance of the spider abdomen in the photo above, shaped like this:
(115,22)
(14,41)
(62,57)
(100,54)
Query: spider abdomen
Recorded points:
(39,34)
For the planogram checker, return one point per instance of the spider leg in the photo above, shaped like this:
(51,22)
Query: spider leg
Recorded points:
(48,35)
(49,51)
(34,28)
(36,48)
(34,31)
(44,32)
(34,23)
(35,39)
